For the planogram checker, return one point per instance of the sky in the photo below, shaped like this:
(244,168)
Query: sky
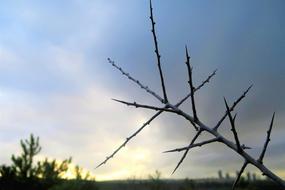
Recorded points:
(56,83)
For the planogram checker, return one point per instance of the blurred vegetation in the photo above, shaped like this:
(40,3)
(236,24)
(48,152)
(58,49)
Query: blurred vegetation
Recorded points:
(155,182)
(76,185)
(186,184)
(25,173)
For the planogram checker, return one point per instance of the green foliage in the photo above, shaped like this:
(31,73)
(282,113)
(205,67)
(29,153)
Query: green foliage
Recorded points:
(23,164)
(79,174)
(7,172)
(24,173)
(53,170)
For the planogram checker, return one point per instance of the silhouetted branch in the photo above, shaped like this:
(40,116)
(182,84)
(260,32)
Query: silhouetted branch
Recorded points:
(232,121)
(153,117)
(166,109)
(158,56)
(232,107)
(186,151)
(239,174)
(129,138)
(190,146)
(267,140)
(206,81)
(190,82)
(167,104)
(134,104)
(197,88)
(136,81)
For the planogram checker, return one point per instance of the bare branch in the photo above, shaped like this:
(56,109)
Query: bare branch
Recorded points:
(158,56)
(190,82)
(232,108)
(136,81)
(206,81)
(260,159)
(216,139)
(187,150)
(239,174)
(134,104)
(166,109)
(129,138)
(152,118)
(197,88)
(232,121)
(167,104)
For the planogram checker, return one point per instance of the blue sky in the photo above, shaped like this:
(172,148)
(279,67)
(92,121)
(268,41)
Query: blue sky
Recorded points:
(55,80)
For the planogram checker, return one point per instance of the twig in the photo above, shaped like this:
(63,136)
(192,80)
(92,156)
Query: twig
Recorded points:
(193,145)
(216,139)
(260,159)
(137,105)
(239,174)
(165,109)
(136,81)
(129,138)
(187,150)
(197,88)
(158,56)
(206,81)
(190,82)
(232,108)
(232,121)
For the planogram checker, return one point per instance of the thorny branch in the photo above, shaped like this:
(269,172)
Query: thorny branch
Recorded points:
(158,56)
(135,104)
(186,151)
(154,116)
(193,145)
(189,69)
(232,108)
(239,174)
(193,119)
(232,121)
(267,140)
(148,90)
(136,81)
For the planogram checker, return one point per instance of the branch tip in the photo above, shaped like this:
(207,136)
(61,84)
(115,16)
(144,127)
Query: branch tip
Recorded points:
(260,159)
(239,174)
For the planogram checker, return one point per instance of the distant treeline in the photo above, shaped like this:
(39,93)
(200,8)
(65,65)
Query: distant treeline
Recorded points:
(185,184)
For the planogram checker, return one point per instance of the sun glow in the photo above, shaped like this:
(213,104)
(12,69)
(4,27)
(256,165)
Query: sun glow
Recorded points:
(72,170)
(132,162)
